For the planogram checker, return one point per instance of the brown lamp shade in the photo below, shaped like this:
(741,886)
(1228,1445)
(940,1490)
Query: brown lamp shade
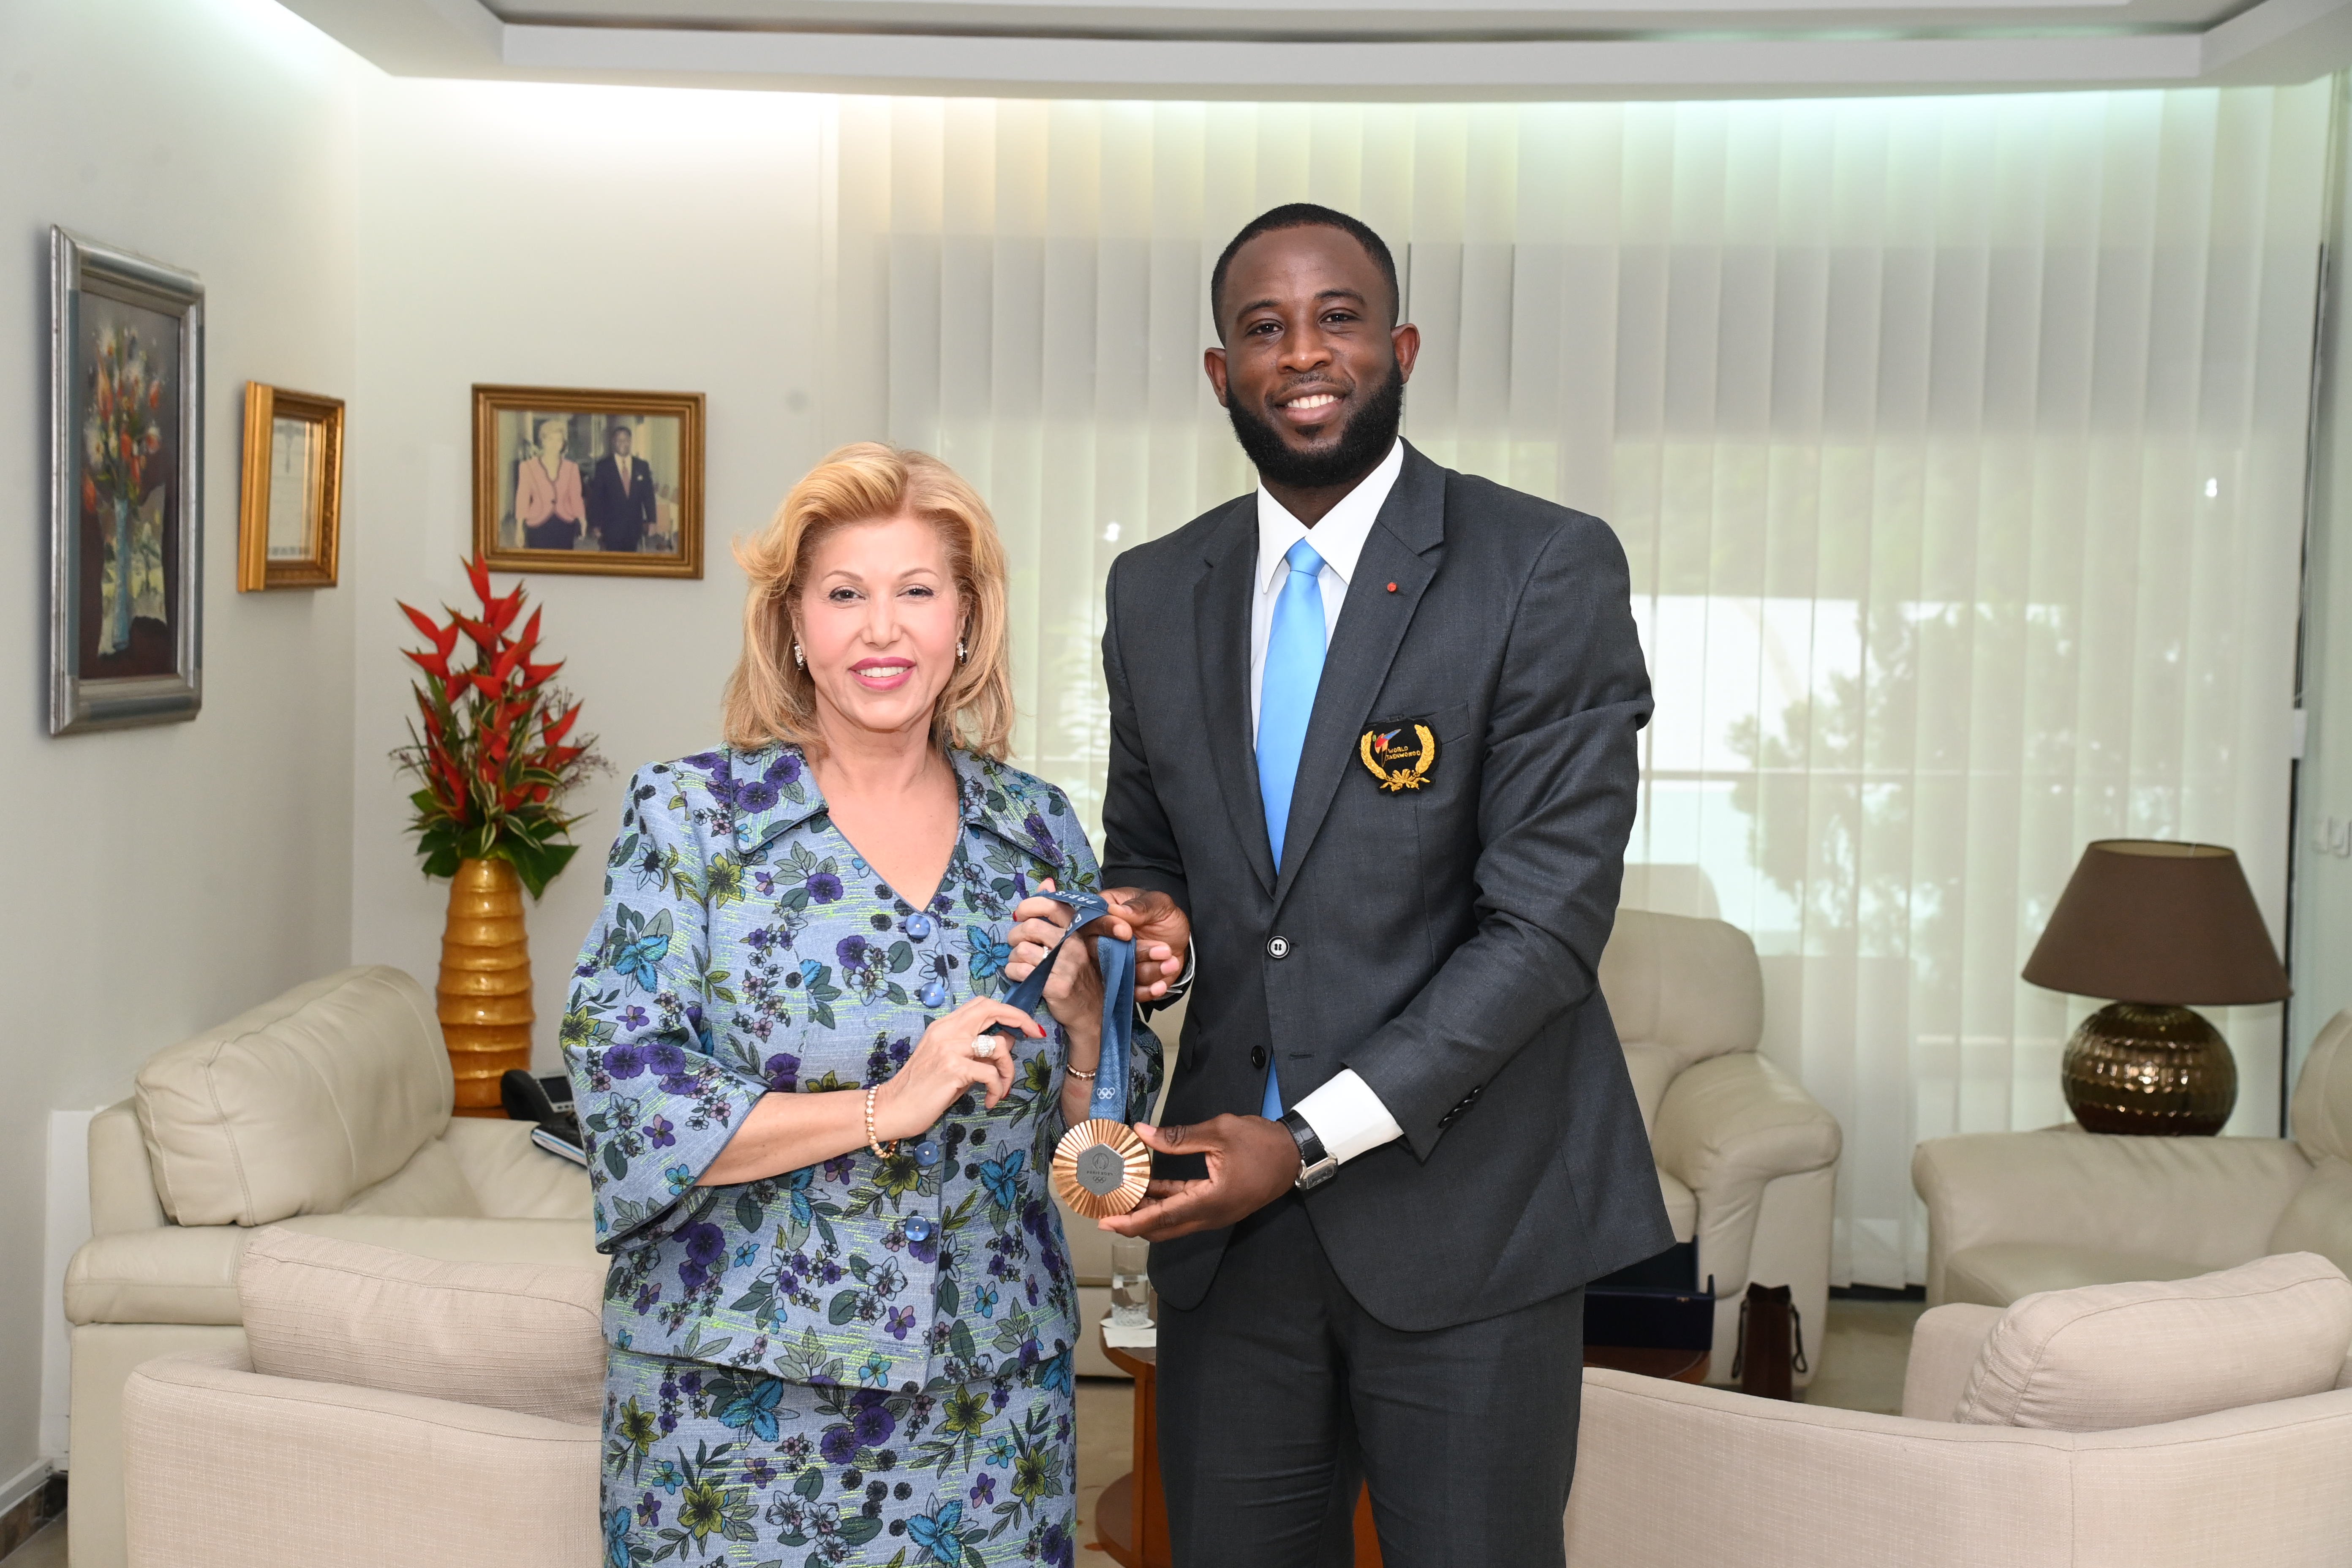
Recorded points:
(2143,919)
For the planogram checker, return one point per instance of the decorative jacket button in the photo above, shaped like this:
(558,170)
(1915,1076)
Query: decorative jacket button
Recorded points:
(918,1229)
(1279,947)
(1257,1056)
(926,1152)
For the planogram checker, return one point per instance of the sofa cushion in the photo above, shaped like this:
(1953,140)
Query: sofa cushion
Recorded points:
(1999,1273)
(298,1105)
(512,1177)
(2320,1218)
(430,1183)
(2111,1356)
(1691,986)
(526,1337)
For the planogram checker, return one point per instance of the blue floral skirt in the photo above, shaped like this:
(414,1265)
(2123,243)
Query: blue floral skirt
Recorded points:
(707,1463)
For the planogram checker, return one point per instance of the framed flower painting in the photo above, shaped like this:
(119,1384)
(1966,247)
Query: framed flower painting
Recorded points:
(126,384)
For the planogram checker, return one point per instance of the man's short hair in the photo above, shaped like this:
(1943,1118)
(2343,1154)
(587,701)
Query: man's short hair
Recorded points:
(1304,215)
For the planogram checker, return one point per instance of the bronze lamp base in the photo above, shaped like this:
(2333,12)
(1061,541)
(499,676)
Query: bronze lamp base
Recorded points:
(2156,1070)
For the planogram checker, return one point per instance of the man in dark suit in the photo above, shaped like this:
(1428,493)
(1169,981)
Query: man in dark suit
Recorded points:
(1373,750)
(621,496)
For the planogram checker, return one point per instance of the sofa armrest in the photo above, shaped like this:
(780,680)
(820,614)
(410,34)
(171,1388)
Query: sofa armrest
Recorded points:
(1669,1473)
(168,1275)
(1738,1120)
(1672,1473)
(225,1467)
(2211,1201)
(1944,1344)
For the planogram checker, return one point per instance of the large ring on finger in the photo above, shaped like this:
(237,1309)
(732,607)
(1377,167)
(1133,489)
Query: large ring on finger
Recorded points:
(984,1047)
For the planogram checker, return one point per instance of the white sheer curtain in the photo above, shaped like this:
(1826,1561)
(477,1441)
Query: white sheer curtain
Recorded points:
(1957,444)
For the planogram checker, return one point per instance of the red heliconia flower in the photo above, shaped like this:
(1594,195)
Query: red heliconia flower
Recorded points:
(479,575)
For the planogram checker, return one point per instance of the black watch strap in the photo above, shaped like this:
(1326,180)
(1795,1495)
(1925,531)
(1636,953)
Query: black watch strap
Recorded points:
(1316,1165)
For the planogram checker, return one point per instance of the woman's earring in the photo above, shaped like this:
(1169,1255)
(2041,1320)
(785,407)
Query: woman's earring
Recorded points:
(800,659)
(960,653)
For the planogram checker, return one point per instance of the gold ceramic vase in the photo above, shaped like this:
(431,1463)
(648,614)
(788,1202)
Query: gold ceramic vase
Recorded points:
(484,994)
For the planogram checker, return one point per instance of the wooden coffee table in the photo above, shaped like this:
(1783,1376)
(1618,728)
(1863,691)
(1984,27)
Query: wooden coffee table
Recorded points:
(1131,1515)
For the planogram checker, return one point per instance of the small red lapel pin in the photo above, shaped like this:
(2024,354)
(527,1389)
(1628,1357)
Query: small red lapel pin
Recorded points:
(1391,587)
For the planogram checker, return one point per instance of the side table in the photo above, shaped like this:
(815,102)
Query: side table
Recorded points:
(1132,1514)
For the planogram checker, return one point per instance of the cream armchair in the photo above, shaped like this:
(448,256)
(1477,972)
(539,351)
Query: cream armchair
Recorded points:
(1669,1475)
(2012,1213)
(1746,1158)
(326,1111)
(385,1410)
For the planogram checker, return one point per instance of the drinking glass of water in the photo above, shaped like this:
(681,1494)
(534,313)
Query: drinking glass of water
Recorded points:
(1130,1283)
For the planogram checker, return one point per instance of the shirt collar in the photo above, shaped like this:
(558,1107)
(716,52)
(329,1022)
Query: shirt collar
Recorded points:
(1339,537)
(772,791)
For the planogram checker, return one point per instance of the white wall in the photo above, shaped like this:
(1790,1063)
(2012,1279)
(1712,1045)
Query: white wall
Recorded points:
(162,878)
(623,237)
(2323,876)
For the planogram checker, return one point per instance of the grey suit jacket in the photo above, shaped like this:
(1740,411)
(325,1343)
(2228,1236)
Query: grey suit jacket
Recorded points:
(1441,940)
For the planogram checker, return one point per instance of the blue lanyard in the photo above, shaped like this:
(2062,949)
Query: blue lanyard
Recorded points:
(1116,959)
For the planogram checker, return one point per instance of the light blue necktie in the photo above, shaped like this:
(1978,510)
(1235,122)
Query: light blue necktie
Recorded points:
(1294,668)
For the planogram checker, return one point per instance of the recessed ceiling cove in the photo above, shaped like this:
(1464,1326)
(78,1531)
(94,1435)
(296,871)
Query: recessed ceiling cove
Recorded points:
(1373,49)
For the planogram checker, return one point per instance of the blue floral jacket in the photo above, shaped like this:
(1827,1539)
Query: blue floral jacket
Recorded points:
(744,950)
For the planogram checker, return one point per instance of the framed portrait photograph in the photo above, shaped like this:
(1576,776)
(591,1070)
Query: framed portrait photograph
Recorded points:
(126,491)
(292,502)
(574,480)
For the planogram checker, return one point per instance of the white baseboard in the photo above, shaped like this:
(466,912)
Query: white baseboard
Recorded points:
(66,1226)
(25,1483)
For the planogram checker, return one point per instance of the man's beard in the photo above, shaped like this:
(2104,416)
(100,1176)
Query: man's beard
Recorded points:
(1363,441)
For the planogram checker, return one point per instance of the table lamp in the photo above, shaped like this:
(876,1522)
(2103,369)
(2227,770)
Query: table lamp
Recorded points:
(2157,927)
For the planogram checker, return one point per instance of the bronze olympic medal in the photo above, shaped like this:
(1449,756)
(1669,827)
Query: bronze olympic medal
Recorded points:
(1102,1168)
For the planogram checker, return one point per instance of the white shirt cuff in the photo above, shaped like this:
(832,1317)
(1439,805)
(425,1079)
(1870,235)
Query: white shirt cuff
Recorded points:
(1349,1117)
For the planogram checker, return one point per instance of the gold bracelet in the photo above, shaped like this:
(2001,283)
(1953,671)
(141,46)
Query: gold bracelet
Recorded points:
(1085,1076)
(871,1141)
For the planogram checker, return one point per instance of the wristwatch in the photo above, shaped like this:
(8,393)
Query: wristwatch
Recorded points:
(1314,1166)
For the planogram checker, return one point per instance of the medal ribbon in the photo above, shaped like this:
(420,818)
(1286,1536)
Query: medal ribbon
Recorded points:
(1116,959)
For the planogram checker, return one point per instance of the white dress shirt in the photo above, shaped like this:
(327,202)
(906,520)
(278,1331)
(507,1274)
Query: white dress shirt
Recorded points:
(1345,1113)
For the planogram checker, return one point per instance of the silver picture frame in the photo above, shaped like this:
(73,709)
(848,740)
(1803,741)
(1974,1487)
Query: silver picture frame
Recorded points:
(126,488)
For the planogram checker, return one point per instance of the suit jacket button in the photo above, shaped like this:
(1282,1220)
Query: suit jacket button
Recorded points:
(1279,947)
(1257,1056)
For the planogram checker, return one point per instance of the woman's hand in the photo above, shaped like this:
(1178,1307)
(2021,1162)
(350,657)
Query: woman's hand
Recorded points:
(956,1053)
(1074,990)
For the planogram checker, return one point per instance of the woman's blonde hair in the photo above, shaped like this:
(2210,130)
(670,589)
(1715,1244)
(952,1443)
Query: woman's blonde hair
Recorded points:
(770,699)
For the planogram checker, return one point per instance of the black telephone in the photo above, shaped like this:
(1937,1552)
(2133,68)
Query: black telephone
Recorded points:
(547,1101)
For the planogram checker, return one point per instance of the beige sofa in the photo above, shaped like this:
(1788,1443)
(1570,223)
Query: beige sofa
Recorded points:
(2002,1458)
(2012,1213)
(326,1110)
(1746,1158)
(385,1411)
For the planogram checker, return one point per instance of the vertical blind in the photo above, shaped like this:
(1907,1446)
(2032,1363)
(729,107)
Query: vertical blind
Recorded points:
(1957,444)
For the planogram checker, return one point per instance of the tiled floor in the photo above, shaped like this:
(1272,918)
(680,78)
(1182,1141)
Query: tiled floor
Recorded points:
(1861,1369)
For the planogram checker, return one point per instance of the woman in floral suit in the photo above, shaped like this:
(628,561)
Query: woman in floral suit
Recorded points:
(840,1308)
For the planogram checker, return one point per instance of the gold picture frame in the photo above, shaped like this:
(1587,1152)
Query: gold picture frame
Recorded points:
(289,513)
(633,510)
